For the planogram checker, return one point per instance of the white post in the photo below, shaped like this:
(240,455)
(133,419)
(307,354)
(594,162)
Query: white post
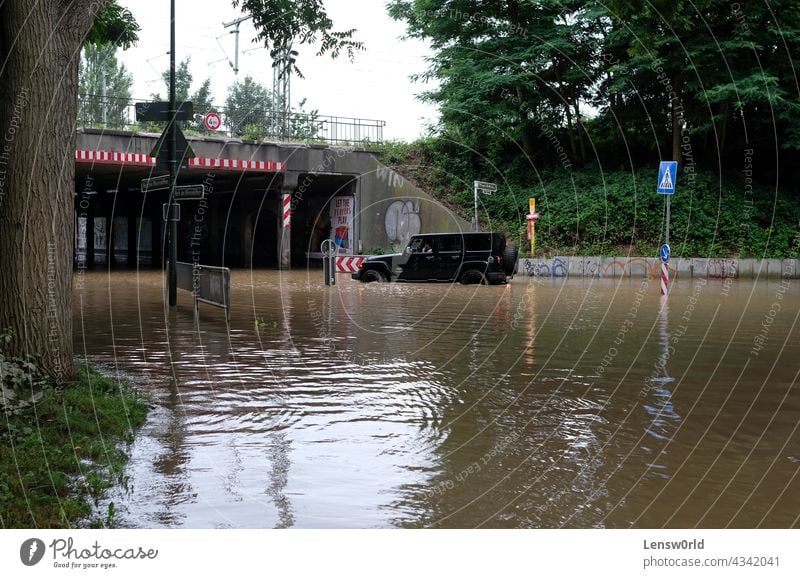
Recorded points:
(475,193)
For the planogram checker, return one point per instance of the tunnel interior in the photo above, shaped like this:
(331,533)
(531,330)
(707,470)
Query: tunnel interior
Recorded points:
(237,224)
(314,215)
(116,225)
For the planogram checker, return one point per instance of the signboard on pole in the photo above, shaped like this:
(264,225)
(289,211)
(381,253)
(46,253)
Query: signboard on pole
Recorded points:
(667,175)
(484,187)
(183,152)
(190,192)
(171,212)
(155,183)
(159,111)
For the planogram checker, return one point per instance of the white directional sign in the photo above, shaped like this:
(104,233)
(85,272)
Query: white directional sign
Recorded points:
(190,192)
(155,183)
(485,187)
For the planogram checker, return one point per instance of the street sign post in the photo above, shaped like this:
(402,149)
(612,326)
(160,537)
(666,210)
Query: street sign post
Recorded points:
(155,183)
(533,215)
(183,152)
(486,189)
(160,112)
(171,212)
(667,178)
(190,192)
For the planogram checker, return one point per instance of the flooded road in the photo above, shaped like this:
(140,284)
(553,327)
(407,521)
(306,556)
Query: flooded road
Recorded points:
(545,403)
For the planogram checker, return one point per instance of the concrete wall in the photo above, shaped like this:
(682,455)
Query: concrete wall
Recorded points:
(679,268)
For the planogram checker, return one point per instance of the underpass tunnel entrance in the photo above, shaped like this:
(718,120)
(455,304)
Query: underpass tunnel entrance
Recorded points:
(116,225)
(323,207)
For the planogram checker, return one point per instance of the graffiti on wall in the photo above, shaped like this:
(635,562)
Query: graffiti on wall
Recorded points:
(721,268)
(402,221)
(534,268)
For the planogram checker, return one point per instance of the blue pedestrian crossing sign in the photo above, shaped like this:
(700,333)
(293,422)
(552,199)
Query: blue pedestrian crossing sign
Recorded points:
(667,174)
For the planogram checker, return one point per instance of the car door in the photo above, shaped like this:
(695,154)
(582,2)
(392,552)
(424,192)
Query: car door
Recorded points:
(421,262)
(448,256)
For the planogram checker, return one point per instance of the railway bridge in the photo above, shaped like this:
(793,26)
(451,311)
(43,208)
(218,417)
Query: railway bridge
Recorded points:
(268,204)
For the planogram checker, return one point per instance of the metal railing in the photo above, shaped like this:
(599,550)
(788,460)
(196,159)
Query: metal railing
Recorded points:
(248,124)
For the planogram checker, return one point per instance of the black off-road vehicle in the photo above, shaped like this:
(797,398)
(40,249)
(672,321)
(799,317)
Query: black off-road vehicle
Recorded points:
(464,257)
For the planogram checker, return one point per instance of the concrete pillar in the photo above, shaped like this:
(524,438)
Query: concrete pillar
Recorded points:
(247,238)
(155,215)
(132,248)
(90,235)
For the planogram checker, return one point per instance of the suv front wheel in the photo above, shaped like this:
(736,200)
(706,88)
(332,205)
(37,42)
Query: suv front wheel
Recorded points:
(371,275)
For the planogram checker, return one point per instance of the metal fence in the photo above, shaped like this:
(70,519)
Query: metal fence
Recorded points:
(251,124)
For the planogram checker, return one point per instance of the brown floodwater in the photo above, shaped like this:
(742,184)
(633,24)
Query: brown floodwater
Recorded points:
(545,403)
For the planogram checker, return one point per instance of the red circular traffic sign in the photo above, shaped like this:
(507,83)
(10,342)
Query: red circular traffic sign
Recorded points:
(213,121)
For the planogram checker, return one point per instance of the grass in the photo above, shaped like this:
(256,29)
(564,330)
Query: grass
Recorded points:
(60,458)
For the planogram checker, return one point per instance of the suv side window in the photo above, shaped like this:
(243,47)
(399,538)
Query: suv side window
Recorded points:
(450,244)
(478,242)
(421,245)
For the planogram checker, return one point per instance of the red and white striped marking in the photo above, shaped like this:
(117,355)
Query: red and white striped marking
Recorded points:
(114,158)
(287,210)
(664,278)
(349,263)
(143,160)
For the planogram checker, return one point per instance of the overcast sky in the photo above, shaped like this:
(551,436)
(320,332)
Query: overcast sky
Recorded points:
(375,85)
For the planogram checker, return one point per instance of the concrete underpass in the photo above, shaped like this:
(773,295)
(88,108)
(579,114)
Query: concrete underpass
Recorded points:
(340,193)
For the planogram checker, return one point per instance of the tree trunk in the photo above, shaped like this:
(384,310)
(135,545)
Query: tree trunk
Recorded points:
(723,129)
(527,129)
(677,115)
(39,50)
(581,131)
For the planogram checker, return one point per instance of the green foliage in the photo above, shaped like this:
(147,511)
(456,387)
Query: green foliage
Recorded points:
(64,455)
(22,381)
(104,88)
(114,25)
(281,24)
(595,212)
(183,82)
(246,109)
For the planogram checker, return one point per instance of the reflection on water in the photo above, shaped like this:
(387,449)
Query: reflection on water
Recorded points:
(590,403)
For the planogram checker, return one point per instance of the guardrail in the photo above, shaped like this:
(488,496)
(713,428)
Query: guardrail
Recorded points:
(248,124)
(207,284)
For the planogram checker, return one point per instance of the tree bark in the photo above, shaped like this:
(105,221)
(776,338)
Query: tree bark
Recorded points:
(40,46)
(677,115)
